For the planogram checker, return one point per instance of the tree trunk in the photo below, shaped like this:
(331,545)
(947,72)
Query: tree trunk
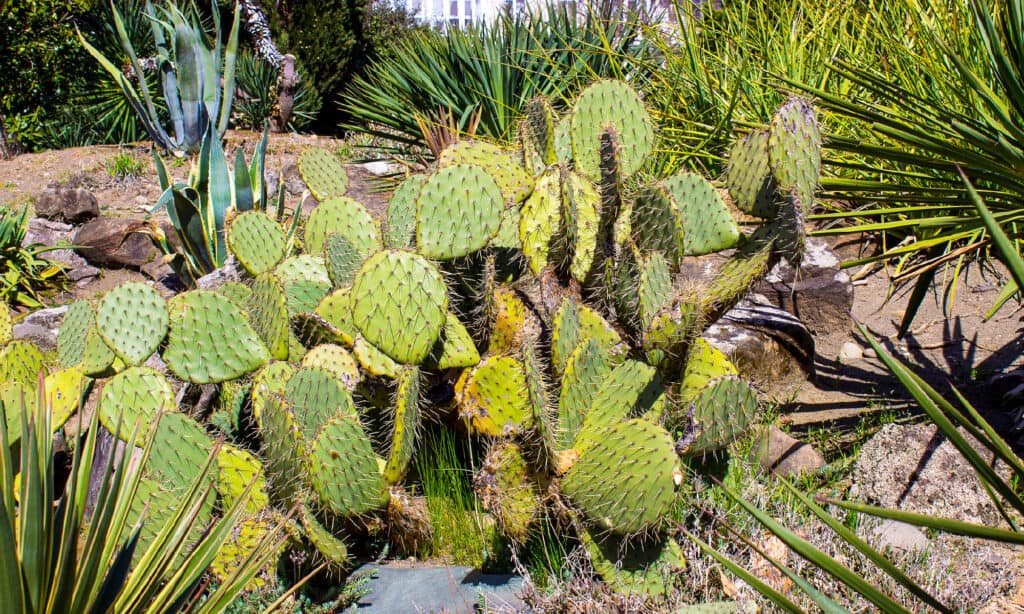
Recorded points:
(6,147)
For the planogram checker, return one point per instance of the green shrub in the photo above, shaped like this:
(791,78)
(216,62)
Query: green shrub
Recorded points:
(25,276)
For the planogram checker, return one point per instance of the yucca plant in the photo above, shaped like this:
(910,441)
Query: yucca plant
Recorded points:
(946,94)
(24,274)
(491,71)
(953,418)
(55,557)
(197,74)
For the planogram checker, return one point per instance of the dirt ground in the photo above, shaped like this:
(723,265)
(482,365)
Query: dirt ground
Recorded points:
(949,342)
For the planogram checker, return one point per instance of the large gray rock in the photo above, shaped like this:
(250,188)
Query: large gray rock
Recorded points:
(914,468)
(116,242)
(900,536)
(70,205)
(819,293)
(454,590)
(42,337)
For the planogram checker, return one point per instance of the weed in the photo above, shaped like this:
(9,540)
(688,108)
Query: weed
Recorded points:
(126,166)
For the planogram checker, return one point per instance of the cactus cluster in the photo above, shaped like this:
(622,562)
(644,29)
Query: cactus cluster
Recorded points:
(542,290)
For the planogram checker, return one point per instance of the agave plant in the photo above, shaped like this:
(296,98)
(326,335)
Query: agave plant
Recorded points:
(196,72)
(24,273)
(56,557)
(951,97)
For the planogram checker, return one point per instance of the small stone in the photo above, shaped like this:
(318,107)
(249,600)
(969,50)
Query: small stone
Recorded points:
(851,351)
(900,536)
(83,273)
(870,353)
(47,318)
(230,272)
(44,338)
(380,168)
(786,456)
(115,242)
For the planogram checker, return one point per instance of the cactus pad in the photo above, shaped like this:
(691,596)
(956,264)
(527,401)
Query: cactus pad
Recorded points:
(322,173)
(537,134)
(132,319)
(344,471)
(7,326)
(723,411)
(210,341)
(272,378)
(21,362)
(586,368)
(257,241)
(315,396)
(632,388)
(336,361)
(704,363)
(97,357)
(515,183)
(543,420)
(687,209)
(626,481)
(794,148)
(582,206)
(493,398)
(375,362)
(343,260)
(65,391)
(540,220)
(342,215)
(268,314)
(648,567)
(306,282)
(78,319)
(505,488)
(236,469)
(398,303)
(513,322)
(749,175)
(400,230)
(458,211)
(135,395)
(283,447)
(406,422)
(455,348)
(611,105)
(328,545)
(180,449)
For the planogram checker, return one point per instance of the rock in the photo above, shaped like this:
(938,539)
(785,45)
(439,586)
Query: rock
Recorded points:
(83,274)
(292,180)
(785,456)
(44,338)
(870,353)
(380,168)
(900,536)
(48,318)
(850,351)
(820,294)
(770,347)
(73,206)
(230,272)
(454,589)
(115,242)
(912,468)
(47,232)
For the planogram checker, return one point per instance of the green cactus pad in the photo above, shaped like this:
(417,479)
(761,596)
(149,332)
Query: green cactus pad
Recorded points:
(722,412)
(611,105)
(458,212)
(323,173)
(335,360)
(537,134)
(343,260)
(704,363)
(136,394)
(315,396)
(788,229)
(794,148)
(544,422)
(345,216)
(97,357)
(242,542)
(576,323)
(257,241)
(493,398)
(236,469)
(79,318)
(508,232)
(343,469)
(593,326)
(306,282)
(272,378)
(375,362)
(7,326)
(180,449)
(236,292)
(683,216)
(132,319)
(626,481)
(284,449)
(398,303)
(650,567)
(405,424)
(505,488)
(455,348)
(327,544)
(400,229)
(654,289)
(268,314)
(631,389)
(587,366)
(582,206)
(336,309)
(513,180)
(156,504)
(540,220)
(210,340)
(21,362)
(749,175)
(563,139)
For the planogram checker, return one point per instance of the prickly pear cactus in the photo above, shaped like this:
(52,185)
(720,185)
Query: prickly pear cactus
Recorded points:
(610,106)
(257,241)
(322,173)
(458,212)
(132,319)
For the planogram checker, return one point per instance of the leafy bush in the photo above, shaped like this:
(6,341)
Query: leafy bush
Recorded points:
(492,70)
